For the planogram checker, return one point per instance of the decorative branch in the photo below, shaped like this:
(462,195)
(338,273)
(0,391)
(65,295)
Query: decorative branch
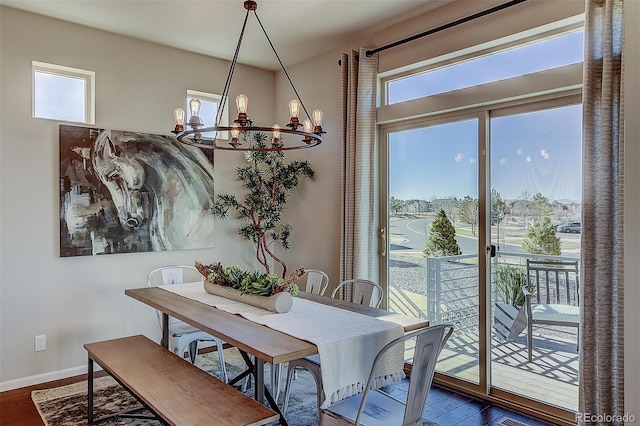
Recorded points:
(268,181)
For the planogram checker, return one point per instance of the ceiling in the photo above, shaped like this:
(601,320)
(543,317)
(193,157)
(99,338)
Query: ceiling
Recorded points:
(299,29)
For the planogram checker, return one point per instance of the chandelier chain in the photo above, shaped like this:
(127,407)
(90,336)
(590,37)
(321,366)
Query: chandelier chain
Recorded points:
(234,61)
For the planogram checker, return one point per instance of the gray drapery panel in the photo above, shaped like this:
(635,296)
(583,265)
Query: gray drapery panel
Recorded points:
(601,332)
(357,250)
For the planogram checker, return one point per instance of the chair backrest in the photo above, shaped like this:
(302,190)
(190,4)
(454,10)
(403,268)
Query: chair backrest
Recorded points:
(363,292)
(317,281)
(554,282)
(174,274)
(429,344)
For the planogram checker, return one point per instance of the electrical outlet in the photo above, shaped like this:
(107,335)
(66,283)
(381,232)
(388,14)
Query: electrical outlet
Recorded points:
(41,343)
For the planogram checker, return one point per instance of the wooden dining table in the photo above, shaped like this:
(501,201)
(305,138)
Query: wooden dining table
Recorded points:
(264,343)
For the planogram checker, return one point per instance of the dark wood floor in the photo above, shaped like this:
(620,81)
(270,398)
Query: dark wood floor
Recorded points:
(444,407)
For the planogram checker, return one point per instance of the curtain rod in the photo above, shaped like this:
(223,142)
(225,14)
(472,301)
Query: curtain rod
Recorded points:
(369,53)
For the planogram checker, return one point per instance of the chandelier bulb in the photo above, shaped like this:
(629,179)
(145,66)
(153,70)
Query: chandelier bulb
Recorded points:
(178,115)
(235,132)
(194,106)
(194,120)
(276,136)
(317,117)
(307,125)
(242,102)
(294,108)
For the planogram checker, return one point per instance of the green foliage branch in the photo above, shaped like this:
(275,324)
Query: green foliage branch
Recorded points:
(510,280)
(268,180)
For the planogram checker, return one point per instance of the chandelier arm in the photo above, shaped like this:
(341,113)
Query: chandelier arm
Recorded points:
(310,139)
(232,67)
(281,64)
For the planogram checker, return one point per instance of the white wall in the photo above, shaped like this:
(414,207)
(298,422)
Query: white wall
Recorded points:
(78,300)
(314,210)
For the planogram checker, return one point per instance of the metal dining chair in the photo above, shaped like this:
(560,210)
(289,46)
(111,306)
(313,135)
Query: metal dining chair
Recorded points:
(375,407)
(363,292)
(182,336)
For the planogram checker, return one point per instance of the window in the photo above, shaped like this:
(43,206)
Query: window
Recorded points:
(209,104)
(63,93)
(524,59)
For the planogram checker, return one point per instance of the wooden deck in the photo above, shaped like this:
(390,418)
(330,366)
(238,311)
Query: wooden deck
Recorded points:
(551,378)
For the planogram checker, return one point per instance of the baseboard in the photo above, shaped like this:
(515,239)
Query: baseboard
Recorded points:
(45,377)
(69,372)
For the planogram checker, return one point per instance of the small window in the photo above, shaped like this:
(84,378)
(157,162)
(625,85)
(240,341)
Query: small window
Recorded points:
(525,59)
(209,104)
(63,93)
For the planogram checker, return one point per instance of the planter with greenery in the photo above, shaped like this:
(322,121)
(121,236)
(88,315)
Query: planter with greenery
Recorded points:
(509,312)
(264,290)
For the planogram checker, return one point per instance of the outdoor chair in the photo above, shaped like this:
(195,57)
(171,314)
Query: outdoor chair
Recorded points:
(182,336)
(377,408)
(552,296)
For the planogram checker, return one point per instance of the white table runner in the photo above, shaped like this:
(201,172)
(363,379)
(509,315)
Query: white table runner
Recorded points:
(347,341)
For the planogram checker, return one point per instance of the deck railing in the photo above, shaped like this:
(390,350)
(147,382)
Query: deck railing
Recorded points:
(452,288)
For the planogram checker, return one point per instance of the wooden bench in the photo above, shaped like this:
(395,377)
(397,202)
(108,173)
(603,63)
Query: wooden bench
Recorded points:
(176,392)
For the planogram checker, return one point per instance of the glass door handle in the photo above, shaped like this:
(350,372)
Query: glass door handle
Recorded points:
(383,241)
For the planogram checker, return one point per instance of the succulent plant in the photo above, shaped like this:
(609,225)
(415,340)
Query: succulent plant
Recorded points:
(256,283)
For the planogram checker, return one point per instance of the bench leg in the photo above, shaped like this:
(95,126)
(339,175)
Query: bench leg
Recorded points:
(260,392)
(90,392)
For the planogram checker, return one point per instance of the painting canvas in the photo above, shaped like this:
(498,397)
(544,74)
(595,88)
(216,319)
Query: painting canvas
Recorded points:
(125,192)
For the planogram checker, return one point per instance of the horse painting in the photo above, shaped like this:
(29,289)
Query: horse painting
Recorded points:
(131,192)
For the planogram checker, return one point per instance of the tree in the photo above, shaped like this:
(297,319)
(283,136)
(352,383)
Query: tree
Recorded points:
(442,237)
(469,212)
(542,239)
(498,206)
(268,181)
(395,205)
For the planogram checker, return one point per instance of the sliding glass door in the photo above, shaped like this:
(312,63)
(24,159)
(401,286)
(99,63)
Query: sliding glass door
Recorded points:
(432,268)
(536,191)
(469,199)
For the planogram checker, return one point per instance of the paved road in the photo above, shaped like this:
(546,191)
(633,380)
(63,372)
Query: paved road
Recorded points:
(410,235)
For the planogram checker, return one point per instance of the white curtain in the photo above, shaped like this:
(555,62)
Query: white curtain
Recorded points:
(357,253)
(601,332)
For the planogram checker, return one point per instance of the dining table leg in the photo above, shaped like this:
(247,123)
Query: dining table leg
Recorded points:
(259,389)
(165,330)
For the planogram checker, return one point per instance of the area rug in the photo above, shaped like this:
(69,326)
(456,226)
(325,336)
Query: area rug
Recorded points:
(67,405)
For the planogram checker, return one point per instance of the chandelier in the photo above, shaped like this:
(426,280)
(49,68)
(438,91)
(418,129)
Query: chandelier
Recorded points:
(305,133)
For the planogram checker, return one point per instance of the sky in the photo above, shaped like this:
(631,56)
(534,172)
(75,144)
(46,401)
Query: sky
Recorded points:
(531,152)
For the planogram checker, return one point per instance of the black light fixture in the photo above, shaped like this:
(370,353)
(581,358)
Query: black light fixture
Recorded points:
(241,131)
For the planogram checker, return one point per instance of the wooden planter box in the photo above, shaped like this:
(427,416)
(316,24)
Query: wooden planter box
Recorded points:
(279,303)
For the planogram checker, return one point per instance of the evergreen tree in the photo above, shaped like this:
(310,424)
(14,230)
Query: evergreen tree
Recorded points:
(542,239)
(268,181)
(442,237)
